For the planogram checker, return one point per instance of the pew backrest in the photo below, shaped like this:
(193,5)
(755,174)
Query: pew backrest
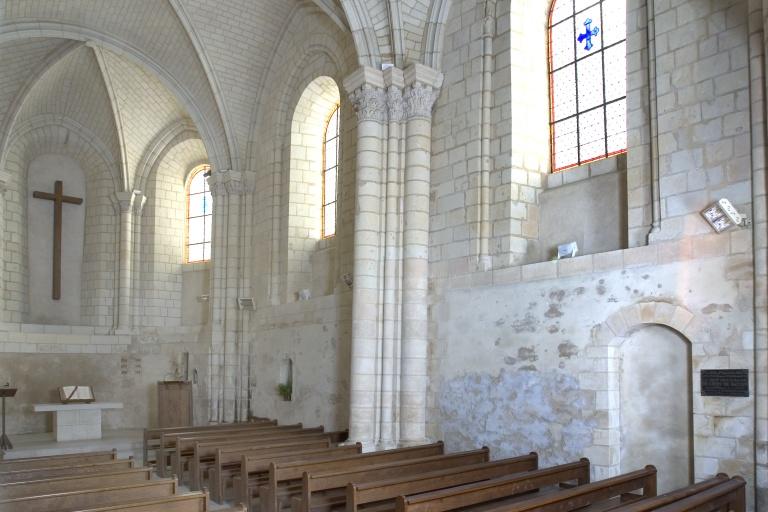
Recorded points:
(729,495)
(39,474)
(89,498)
(358,494)
(671,497)
(623,486)
(56,460)
(189,502)
(490,490)
(73,483)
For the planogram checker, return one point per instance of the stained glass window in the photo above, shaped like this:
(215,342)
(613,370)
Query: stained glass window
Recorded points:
(588,80)
(330,172)
(199,216)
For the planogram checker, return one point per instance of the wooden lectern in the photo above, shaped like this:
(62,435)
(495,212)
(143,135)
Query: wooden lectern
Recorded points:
(174,401)
(5,443)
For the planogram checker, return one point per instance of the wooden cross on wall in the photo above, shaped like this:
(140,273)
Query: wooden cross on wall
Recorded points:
(58,199)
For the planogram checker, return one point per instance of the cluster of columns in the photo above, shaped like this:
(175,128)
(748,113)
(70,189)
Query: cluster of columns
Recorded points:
(229,355)
(388,381)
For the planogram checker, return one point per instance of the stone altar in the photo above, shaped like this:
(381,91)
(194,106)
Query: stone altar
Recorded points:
(72,422)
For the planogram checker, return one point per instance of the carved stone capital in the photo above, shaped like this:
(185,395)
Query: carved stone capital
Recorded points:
(225,182)
(370,103)
(395,104)
(126,201)
(419,100)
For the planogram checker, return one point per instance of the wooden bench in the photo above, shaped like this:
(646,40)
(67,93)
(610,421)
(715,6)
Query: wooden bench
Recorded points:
(257,468)
(724,496)
(204,452)
(672,496)
(226,461)
(73,483)
(495,489)
(359,494)
(152,435)
(190,502)
(85,469)
(56,460)
(90,498)
(284,473)
(168,440)
(606,492)
(180,446)
(326,488)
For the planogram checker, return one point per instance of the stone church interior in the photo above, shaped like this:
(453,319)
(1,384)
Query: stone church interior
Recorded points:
(369,255)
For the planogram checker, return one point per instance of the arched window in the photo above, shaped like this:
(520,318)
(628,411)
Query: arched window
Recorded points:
(588,80)
(330,172)
(199,215)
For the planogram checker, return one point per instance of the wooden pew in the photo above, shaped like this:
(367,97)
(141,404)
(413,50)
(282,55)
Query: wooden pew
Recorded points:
(257,468)
(168,440)
(180,446)
(495,489)
(358,494)
(190,502)
(73,483)
(605,492)
(227,460)
(85,469)
(318,488)
(152,435)
(56,460)
(672,496)
(90,498)
(284,473)
(727,496)
(204,452)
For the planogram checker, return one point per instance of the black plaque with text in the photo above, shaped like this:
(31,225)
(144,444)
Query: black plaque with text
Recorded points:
(725,383)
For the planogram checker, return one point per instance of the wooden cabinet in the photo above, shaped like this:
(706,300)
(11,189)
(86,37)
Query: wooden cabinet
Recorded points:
(174,402)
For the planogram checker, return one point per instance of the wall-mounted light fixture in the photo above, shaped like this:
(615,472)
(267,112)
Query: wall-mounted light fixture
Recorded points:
(568,250)
(722,216)
(246,303)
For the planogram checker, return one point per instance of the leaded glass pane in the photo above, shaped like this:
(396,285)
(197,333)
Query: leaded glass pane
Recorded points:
(330,186)
(588,32)
(560,11)
(562,43)
(580,5)
(333,125)
(565,143)
(198,184)
(197,230)
(592,134)
(614,21)
(196,252)
(329,219)
(616,127)
(196,205)
(207,251)
(564,92)
(616,72)
(330,154)
(590,80)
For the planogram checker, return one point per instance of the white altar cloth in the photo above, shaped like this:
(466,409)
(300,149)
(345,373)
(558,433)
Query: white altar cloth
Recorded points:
(73,422)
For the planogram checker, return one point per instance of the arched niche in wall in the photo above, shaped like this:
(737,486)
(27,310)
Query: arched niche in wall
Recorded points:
(45,175)
(311,252)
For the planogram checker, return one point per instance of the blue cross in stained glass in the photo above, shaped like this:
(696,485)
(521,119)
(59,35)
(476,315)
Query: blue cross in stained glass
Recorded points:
(590,32)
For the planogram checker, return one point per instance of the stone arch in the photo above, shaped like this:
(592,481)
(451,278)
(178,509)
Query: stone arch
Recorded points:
(607,339)
(212,132)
